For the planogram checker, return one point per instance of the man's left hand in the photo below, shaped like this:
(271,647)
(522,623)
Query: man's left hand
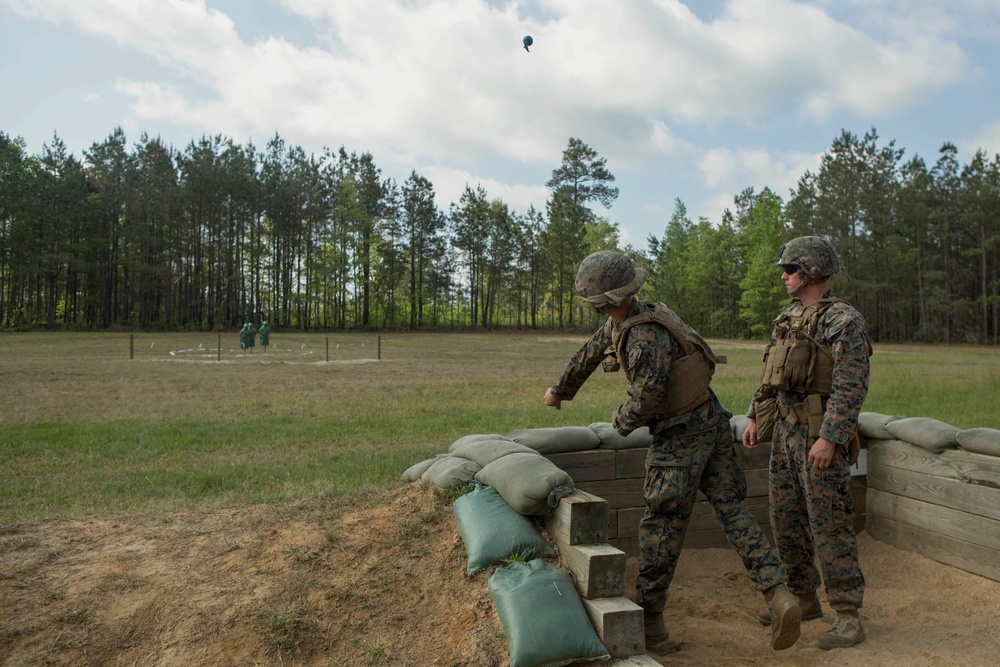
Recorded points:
(551,400)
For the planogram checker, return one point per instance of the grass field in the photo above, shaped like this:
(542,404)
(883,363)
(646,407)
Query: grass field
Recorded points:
(109,423)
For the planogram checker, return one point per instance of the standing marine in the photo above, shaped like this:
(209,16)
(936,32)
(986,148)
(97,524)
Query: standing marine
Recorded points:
(813,382)
(669,368)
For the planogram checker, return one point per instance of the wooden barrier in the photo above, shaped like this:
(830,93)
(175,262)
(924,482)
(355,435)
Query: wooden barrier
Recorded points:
(617,475)
(945,506)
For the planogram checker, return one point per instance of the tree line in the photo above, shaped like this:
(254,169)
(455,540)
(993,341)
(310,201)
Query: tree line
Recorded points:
(219,234)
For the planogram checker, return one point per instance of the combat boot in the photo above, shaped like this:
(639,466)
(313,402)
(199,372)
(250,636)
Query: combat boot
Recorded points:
(809,604)
(785,616)
(846,631)
(655,630)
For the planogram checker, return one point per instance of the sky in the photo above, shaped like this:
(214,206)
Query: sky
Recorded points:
(690,101)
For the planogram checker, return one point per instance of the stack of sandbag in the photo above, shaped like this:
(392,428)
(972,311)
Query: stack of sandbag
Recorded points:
(527,481)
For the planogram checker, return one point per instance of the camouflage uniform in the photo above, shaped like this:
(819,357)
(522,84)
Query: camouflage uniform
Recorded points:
(692,451)
(811,509)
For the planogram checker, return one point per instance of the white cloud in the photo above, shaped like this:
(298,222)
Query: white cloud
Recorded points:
(987,139)
(726,172)
(449,184)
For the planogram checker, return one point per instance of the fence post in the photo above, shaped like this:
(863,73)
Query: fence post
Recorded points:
(220,348)
(327,349)
(131,346)
(380,346)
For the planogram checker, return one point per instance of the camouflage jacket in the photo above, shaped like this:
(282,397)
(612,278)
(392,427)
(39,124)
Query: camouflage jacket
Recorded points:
(843,329)
(650,350)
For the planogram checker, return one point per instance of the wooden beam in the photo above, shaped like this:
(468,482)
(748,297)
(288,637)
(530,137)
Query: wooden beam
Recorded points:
(618,622)
(930,544)
(599,569)
(579,518)
(948,492)
(945,521)
(587,465)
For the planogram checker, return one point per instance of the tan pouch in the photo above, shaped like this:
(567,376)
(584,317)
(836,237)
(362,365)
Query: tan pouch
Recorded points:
(815,404)
(766,416)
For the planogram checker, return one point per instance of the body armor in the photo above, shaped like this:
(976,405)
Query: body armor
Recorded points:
(690,372)
(797,361)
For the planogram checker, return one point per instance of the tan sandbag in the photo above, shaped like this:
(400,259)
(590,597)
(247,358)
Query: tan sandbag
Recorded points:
(871,426)
(556,439)
(612,439)
(475,437)
(980,440)
(449,472)
(931,434)
(737,425)
(531,484)
(417,470)
(485,452)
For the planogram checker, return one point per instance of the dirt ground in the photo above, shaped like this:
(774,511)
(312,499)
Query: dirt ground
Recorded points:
(382,582)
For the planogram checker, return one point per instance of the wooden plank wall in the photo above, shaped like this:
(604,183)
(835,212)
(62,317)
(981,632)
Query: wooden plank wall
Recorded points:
(617,476)
(945,506)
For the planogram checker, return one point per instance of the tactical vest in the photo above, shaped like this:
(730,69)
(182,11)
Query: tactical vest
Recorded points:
(690,373)
(796,361)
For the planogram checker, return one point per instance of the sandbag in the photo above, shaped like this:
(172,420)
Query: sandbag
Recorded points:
(612,439)
(931,434)
(557,439)
(738,424)
(417,470)
(543,616)
(492,530)
(485,452)
(871,425)
(980,440)
(475,437)
(531,484)
(449,472)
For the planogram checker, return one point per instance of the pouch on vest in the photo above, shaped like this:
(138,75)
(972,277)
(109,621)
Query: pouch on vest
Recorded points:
(774,367)
(797,363)
(814,403)
(766,413)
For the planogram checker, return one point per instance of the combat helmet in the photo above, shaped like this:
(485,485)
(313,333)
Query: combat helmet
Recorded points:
(607,278)
(814,255)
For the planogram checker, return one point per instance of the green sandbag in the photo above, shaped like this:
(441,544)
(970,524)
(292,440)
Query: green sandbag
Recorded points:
(612,439)
(543,616)
(931,434)
(493,531)
(980,440)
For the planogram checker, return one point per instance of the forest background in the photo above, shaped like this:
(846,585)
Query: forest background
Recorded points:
(220,234)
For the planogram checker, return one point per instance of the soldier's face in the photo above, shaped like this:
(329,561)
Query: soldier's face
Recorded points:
(792,278)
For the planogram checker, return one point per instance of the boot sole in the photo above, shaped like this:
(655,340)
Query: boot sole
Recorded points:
(787,630)
(805,617)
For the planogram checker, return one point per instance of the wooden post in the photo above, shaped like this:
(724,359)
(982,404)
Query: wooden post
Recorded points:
(327,349)
(131,345)
(220,348)
(380,346)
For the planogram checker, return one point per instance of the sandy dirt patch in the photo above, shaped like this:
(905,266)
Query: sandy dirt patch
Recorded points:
(382,582)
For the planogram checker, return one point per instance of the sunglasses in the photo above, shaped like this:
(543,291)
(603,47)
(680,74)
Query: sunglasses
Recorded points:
(790,269)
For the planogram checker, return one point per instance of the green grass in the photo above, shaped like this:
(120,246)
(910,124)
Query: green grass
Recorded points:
(87,430)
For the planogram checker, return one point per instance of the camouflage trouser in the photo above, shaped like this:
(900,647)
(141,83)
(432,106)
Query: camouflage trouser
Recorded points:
(675,471)
(812,515)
